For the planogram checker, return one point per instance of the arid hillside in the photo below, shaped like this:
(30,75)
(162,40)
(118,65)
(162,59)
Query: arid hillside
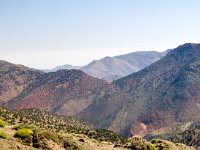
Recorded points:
(165,92)
(14,79)
(65,92)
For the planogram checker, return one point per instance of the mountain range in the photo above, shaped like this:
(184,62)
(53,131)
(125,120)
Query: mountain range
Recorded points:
(112,68)
(163,93)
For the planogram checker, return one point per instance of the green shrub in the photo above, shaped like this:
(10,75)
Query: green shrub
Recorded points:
(140,145)
(22,126)
(150,146)
(40,138)
(23,133)
(163,144)
(70,145)
(105,135)
(137,143)
(50,136)
(3,135)
(2,123)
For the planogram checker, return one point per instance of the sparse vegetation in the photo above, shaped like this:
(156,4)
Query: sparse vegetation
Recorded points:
(163,144)
(155,144)
(3,135)
(40,139)
(2,123)
(106,135)
(187,133)
(46,126)
(70,145)
(22,126)
(44,134)
(139,144)
(39,129)
(33,118)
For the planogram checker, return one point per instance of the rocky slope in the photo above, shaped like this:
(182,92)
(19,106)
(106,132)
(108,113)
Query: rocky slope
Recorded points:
(165,92)
(14,79)
(188,133)
(65,92)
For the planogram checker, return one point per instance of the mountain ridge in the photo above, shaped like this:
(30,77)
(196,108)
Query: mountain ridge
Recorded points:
(136,104)
(152,95)
(65,92)
(112,68)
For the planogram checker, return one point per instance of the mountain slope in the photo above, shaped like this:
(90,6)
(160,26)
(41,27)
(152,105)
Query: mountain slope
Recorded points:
(187,133)
(14,79)
(111,68)
(51,131)
(65,92)
(165,92)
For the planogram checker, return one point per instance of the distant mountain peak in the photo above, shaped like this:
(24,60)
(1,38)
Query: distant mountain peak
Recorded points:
(112,68)
(68,67)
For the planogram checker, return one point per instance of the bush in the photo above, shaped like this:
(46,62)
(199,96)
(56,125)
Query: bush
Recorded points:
(150,146)
(137,143)
(69,145)
(106,135)
(2,123)
(163,144)
(3,135)
(22,126)
(50,136)
(24,133)
(40,138)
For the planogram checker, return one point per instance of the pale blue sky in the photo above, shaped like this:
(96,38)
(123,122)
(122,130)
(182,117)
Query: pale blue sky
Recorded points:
(77,31)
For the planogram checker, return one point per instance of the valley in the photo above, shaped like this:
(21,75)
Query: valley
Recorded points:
(149,103)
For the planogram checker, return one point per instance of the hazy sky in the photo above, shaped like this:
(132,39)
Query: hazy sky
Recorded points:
(47,33)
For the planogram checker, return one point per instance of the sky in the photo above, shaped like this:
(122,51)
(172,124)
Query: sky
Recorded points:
(45,33)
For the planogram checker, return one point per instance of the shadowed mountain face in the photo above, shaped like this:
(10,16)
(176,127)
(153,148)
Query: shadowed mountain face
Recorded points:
(167,91)
(14,79)
(65,92)
(187,133)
